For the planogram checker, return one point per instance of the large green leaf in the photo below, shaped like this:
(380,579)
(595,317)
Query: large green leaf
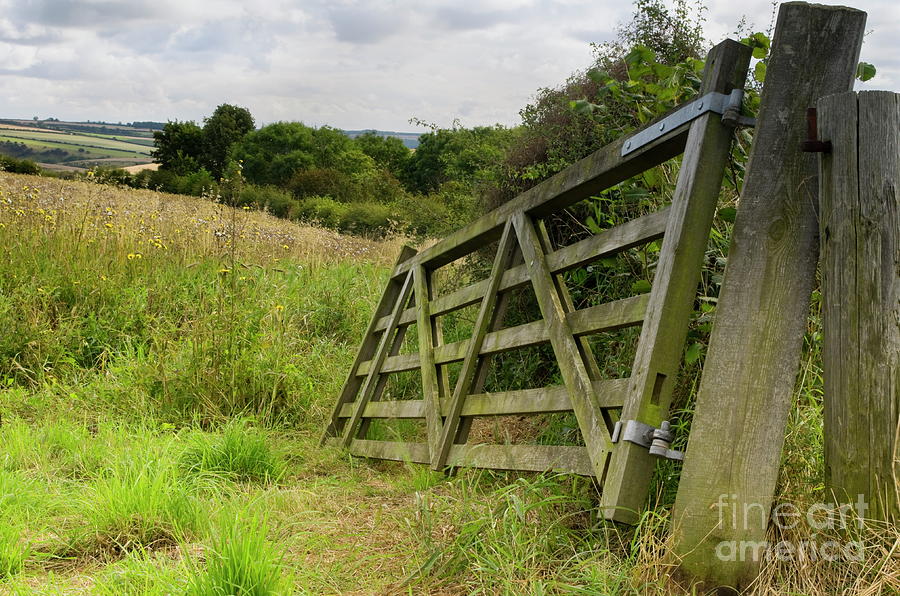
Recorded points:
(865,71)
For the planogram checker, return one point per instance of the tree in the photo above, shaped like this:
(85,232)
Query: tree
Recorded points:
(388,152)
(227,125)
(274,153)
(179,147)
(466,155)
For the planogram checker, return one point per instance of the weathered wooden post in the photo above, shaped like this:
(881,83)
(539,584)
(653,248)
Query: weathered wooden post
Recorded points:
(860,231)
(732,460)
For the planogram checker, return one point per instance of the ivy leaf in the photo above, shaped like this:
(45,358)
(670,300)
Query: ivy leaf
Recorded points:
(762,40)
(581,106)
(692,354)
(727,214)
(641,286)
(759,73)
(865,71)
(599,76)
(760,53)
(640,54)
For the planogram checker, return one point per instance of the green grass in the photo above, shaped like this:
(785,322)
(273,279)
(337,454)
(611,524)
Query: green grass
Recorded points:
(239,452)
(240,560)
(166,368)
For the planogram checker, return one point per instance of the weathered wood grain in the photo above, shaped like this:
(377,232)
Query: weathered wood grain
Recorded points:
(529,458)
(430,381)
(625,312)
(366,348)
(661,344)
(635,232)
(751,364)
(374,376)
(566,347)
(473,348)
(533,458)
(860,232)
(502,403)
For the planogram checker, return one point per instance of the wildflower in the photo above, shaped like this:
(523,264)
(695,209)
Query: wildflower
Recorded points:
(134,255)
(108,225)
(279,307)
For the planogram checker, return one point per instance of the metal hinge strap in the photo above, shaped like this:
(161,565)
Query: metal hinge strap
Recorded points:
(729,105)
(656,440)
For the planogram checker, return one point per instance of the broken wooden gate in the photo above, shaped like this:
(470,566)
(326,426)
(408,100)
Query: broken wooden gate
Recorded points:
(619,419)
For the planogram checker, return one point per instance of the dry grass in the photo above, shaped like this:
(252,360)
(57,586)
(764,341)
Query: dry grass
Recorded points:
(141,168)
(143,221)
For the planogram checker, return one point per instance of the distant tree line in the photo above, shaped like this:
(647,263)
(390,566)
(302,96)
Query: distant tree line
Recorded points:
(369,184)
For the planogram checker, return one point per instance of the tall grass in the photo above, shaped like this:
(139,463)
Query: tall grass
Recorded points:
(166,365)
(238,452)
(240,560)
(137,505)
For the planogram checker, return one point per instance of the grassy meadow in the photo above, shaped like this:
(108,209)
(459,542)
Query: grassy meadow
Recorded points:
(166,367)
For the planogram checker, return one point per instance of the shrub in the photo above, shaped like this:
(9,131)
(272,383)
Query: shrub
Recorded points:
(18,166)
(321,182)
(425,215)
(276,201)
(322,210)
(196,183)
(368,218)
(114,176)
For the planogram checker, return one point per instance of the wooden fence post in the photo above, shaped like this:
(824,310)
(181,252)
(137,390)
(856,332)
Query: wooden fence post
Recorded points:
(860,230)
(734,450)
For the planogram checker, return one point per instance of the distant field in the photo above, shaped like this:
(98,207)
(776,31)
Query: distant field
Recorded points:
(61,149)
(79,140)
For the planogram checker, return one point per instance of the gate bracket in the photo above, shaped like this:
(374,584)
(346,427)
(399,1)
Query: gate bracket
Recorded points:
(726,104)
(656,440)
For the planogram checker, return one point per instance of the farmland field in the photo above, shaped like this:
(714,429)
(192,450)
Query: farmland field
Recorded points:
(166,367)
(72,144)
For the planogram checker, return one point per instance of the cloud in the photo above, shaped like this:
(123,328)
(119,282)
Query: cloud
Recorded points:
(348,63)
(463,18)
(88,13)
(365,25)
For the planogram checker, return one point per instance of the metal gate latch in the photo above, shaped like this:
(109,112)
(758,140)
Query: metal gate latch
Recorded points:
(727,104)
(657,440)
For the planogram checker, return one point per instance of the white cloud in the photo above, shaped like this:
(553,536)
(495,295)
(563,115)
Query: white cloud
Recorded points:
(347,63)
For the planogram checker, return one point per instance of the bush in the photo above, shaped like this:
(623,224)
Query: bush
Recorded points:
(425,215)
(276,201)
(322,210)
(18,166)
(369,219)
(196,183)
(321,182)
(113,176)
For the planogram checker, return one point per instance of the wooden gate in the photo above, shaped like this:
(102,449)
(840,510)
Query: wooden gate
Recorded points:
(616,417)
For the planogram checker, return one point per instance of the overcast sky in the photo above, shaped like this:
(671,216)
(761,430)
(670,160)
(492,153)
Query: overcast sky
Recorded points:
(351,64)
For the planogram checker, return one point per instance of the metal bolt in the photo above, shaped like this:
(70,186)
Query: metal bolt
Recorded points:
(628,145)
(662,126)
